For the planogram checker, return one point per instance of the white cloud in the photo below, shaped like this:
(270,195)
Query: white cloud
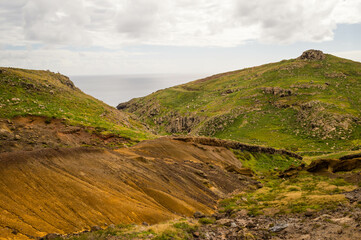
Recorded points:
(113,23)
(56,22)
(288,21)
(47,34)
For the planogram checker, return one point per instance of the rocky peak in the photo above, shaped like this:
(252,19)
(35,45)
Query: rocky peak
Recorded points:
(312,55)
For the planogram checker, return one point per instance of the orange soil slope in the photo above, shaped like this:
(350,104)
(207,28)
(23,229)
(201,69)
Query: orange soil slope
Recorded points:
(69,190)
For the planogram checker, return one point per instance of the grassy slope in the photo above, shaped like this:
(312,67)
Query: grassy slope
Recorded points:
(43,93)
(250,115)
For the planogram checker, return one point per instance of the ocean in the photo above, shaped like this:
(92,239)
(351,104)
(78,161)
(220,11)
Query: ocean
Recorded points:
(121,88)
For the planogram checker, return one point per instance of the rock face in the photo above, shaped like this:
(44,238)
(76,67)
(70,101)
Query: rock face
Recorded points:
(182,124)
(312,55)
(334,165)
(277,91)
(318,122)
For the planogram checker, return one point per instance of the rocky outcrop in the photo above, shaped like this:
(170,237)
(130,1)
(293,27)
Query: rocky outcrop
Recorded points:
(312,55)
(351,156)
(218,123)
(324,124)
(334,165)
(277,91)
(181,124)
(65,80)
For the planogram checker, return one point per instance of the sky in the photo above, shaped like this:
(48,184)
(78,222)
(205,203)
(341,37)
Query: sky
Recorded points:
(108,37)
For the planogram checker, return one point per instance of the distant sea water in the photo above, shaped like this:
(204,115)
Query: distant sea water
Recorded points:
(121,88)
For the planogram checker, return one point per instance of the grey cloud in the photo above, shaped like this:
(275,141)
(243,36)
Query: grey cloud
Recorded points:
(287,21)
(53,22)
(113,23)
(139,17)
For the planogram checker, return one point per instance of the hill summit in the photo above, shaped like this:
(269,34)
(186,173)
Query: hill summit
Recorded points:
(310,103)
(312,55)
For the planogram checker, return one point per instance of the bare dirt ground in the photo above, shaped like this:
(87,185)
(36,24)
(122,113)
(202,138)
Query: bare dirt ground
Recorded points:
(32,133)
(69,190)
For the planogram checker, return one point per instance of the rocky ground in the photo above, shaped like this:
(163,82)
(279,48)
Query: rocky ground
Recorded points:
(340,223)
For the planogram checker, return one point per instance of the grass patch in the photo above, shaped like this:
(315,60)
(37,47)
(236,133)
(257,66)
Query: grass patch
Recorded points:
(294,195)
(264,162)
(206,221)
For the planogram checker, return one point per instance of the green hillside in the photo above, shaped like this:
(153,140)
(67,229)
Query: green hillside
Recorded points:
(311,103)
(52,95)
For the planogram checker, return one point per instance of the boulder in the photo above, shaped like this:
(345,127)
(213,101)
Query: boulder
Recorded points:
(312,55)
(198,215)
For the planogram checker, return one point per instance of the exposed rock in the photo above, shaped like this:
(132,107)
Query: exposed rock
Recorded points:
(65,80)
(179,123)
(335,75)
(218,123)
(351,156)
(198,215)
(196,234)
(334,165)
(122,106)
(277,91)
(229,91)
(354,196)
(309,214)
(312,55)
(317,122)
(326,224)
(278,228)
(4,134)
(291,171)
(224,221)
(233,225)
(310,85)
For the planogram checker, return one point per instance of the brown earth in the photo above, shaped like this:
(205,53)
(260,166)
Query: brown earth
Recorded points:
(33,132)
(69,190)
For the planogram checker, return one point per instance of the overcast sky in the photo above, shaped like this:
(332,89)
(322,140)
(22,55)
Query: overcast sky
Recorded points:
(88,37)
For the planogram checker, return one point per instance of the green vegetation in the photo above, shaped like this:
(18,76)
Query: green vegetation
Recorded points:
(298,194)
(264,162)
(206,220)
(301,105)
(43,93)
